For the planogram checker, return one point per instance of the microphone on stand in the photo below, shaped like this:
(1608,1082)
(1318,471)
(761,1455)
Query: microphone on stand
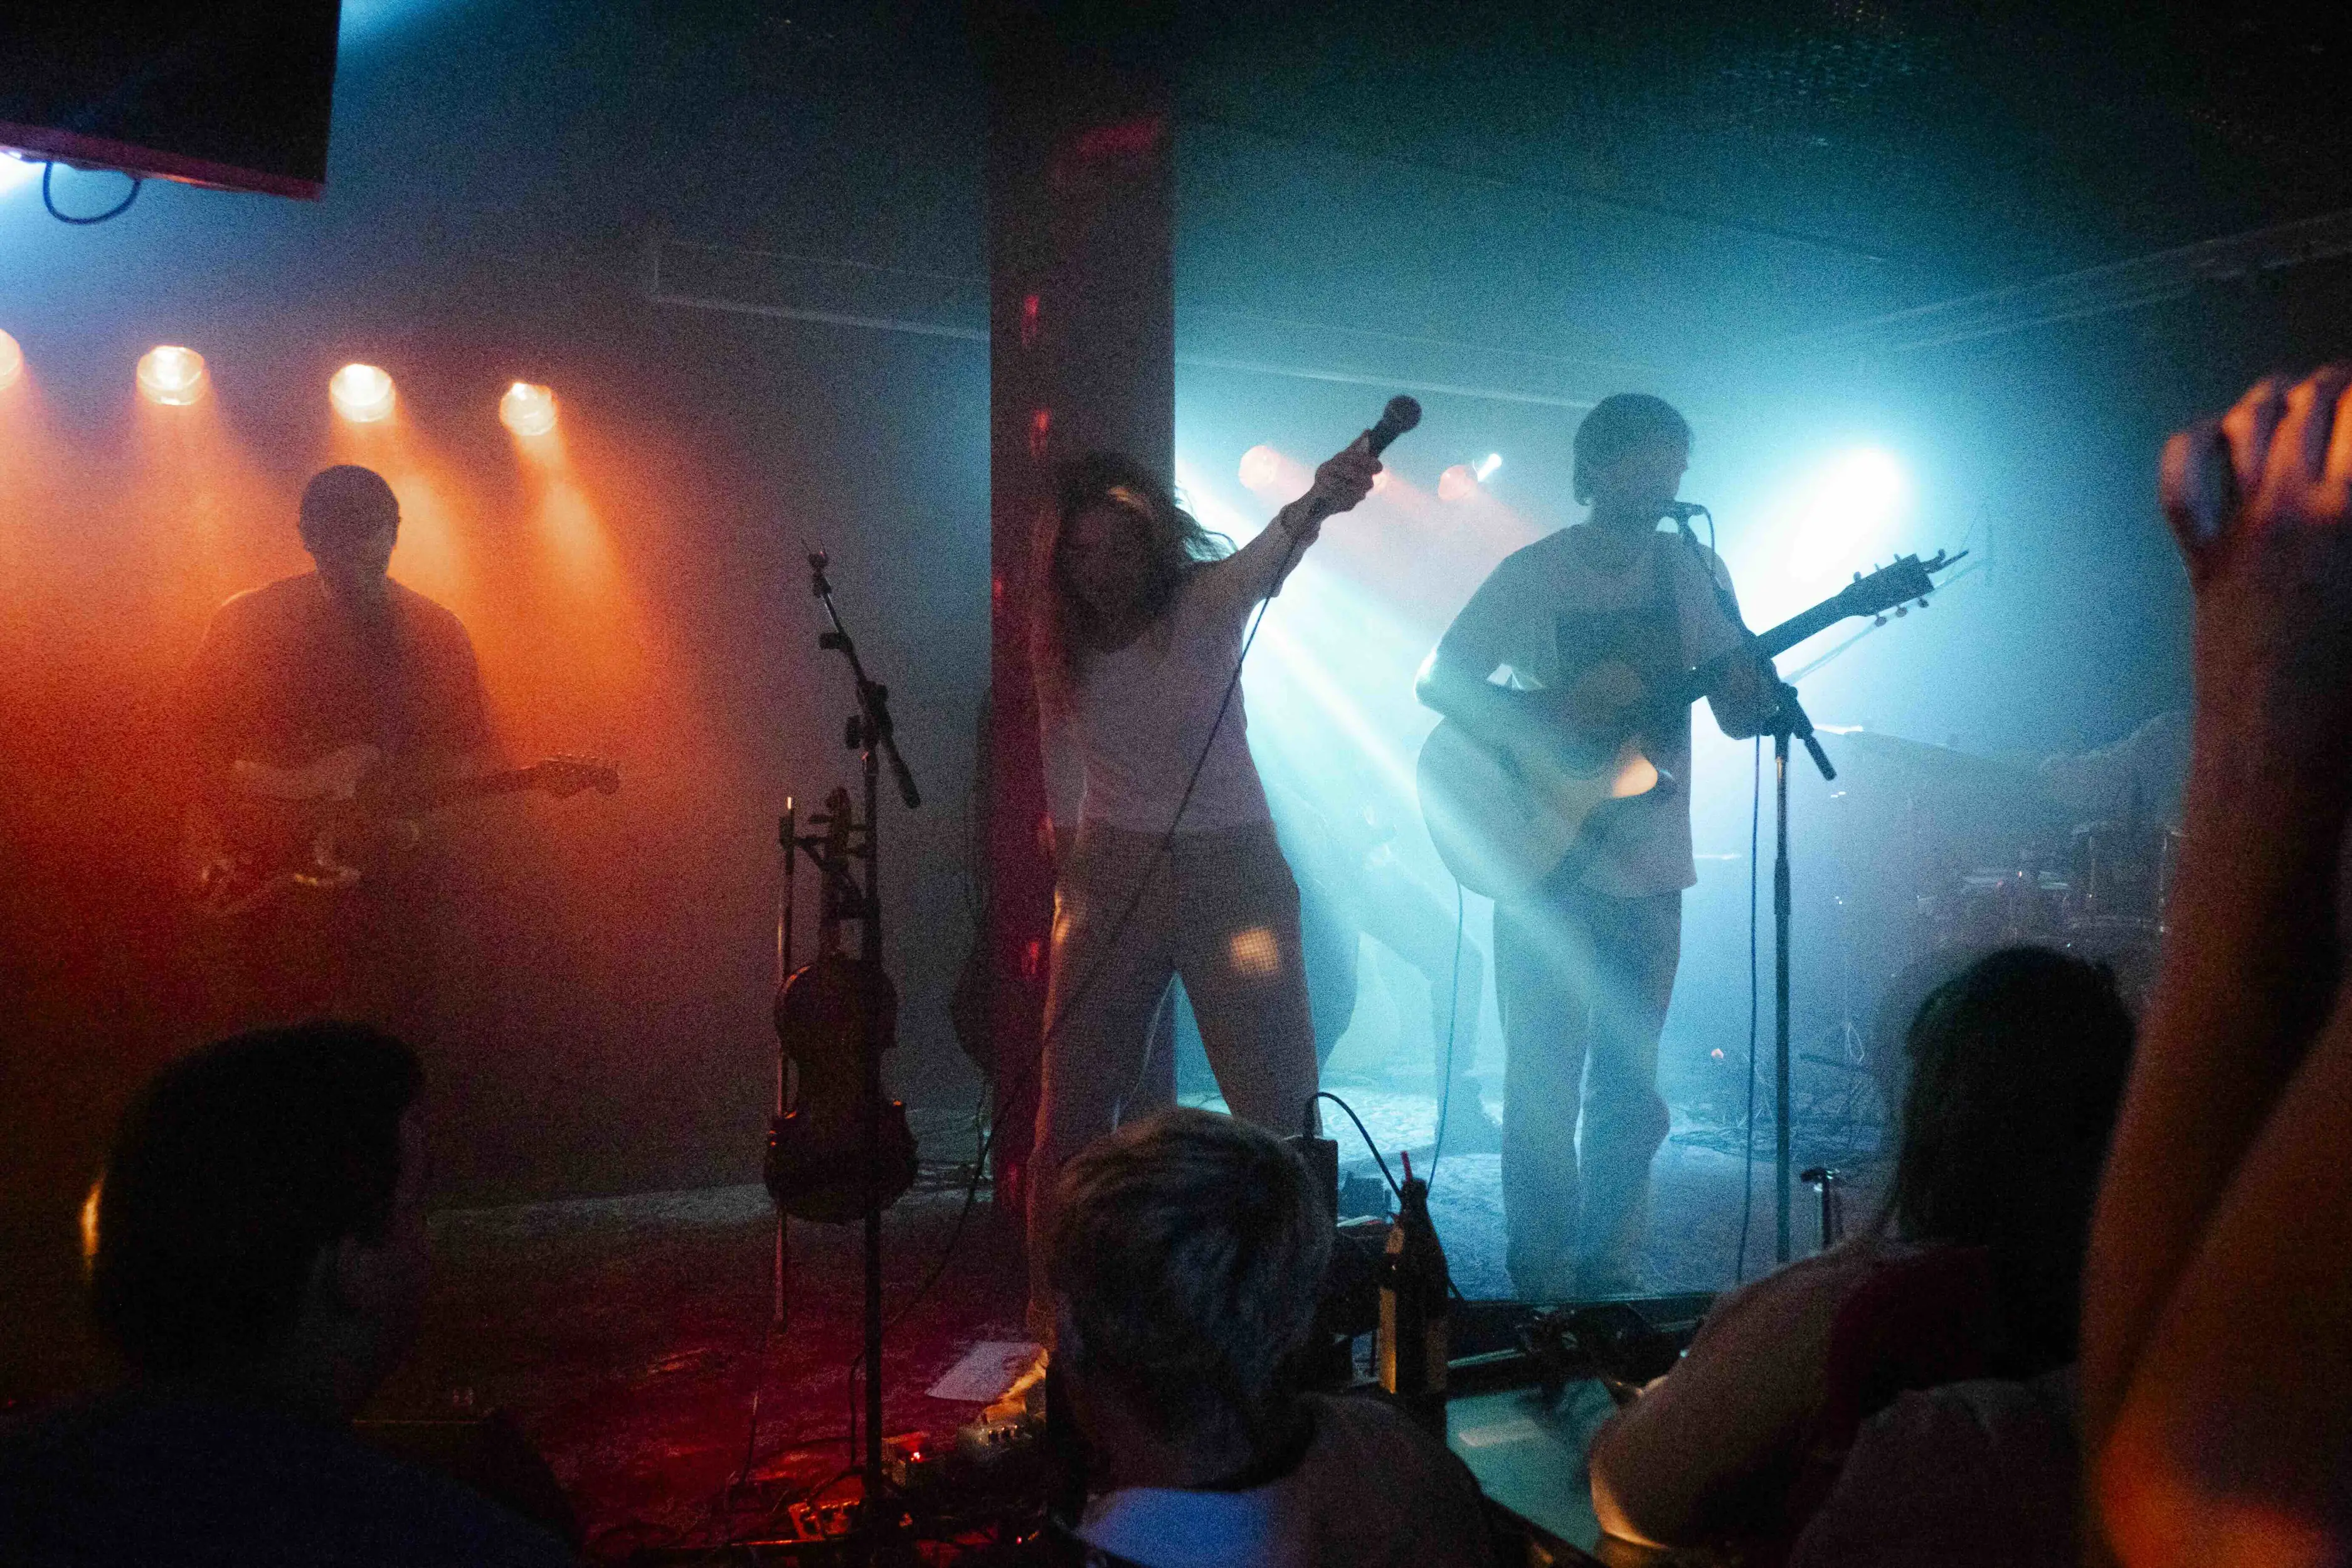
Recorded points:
(1682,512)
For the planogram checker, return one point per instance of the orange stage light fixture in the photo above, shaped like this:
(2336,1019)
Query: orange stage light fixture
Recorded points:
(528,410)
(1457,483)
(1261,467)
(12,362)
(171,375)
(360,393)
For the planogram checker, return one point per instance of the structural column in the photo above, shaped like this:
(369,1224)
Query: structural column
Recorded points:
(1081,356)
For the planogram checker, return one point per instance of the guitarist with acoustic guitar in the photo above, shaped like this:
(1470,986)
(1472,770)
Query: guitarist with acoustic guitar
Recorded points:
(1585,639)
(322,715)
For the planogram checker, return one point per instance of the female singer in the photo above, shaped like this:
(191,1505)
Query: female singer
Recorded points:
(1165,852)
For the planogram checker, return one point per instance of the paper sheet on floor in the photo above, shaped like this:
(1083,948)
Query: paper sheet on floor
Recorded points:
(986,1371)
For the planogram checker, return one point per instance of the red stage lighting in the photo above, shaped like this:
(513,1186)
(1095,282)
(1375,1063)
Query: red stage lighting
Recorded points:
(1261,467)
(528,410)
(360,393)
(171,375)
(12,362)
(1457,483)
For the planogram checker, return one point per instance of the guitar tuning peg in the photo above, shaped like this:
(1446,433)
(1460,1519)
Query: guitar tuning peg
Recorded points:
(1901,611)
(1922,604)
(1878,620)
(1857,576)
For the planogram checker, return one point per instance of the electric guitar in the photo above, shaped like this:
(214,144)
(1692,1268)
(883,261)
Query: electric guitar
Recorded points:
(1506,816)
(299,829)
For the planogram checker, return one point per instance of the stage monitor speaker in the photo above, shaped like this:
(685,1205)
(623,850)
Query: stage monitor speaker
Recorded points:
(230,93)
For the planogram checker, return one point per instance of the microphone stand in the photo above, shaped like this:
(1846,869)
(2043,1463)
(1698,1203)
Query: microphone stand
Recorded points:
(869,731)
(1788,721)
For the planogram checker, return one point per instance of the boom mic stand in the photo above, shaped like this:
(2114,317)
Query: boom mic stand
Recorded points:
(870,731)
(1788,721)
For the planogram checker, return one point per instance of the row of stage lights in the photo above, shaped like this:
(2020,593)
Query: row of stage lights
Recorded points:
(363,394)
(1261,469)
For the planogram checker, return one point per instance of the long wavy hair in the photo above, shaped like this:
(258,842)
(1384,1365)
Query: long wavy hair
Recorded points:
(1063,630)
(2017,1072)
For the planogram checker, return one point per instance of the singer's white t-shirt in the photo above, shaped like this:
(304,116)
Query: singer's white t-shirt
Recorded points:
(1142,715)
(1512,624)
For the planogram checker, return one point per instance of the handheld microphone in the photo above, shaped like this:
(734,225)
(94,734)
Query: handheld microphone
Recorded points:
(1401,415)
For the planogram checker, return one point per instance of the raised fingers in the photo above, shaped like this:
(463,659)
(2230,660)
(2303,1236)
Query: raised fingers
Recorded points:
(2200,491)
(2298,454)
(2250,425)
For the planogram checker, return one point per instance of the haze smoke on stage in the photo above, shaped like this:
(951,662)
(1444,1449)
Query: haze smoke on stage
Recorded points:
(12,362)
(1843,509)
(1457,483)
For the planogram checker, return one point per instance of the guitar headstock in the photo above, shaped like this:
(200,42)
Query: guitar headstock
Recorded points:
(1896,584)
(562,777)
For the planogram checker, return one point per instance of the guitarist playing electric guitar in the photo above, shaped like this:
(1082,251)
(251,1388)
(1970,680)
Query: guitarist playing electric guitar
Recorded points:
(300,670)
(1598,627)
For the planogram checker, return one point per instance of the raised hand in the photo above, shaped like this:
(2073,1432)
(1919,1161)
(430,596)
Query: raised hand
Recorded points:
(2261,501)
(1344,479)
(2205,1384)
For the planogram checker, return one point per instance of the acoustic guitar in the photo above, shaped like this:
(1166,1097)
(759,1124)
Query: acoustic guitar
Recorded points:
(284,830)
(1506,817)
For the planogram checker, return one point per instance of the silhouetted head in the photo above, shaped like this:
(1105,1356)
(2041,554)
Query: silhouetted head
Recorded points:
(2017,1072)
(1631,450)
(1186,1256)
(350,522)
(263,1208)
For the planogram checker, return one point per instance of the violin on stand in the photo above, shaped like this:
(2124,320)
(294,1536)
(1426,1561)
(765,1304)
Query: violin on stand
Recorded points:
(838,1149)
(832,1013)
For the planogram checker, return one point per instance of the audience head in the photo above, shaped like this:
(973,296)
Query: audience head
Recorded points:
(261,1214)
(2017,1072)
(1187,1256)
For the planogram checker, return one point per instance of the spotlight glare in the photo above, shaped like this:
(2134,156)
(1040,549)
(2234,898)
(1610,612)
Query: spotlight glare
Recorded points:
(1849,502)
(12,362)
(171,375)
(1457,483)
(360,393)
(1261,467)
(17,170)
(1487,466)
(528,410)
